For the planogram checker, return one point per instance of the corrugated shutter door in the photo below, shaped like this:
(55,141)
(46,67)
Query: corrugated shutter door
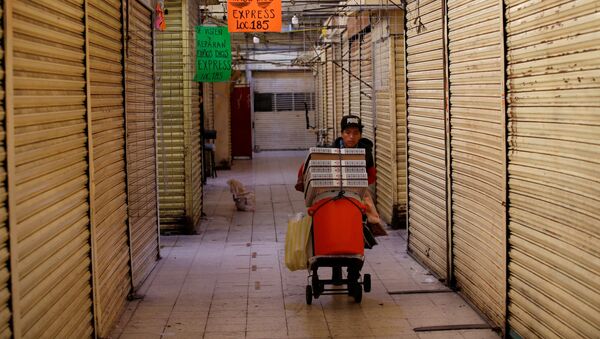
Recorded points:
(171,161)
(319,98)
(283,82)
(282,131)
(195,151)
(141,144)
(346,76)
(108,128)
(386,131)
(338,91)
(330,96)
(5,312)
(477,146)
(354,81)
(554,168)
(51,166)
(366,88)
(325,93)
(286,129)
(209,108)
(426,136)
(400,102)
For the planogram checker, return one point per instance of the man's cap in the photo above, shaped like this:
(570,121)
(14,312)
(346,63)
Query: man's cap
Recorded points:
(351,121)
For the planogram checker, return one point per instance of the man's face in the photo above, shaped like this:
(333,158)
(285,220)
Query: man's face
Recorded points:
(351,135)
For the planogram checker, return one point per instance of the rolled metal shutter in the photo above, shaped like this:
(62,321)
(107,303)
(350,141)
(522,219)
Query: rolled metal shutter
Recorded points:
(354,77)
(553,168)
(330,96)
(367,115)
(5,309)
(208,102)
(323,90)
(171,118)
(385,140)
(52,212)
(286,129)
(338,90)
(426,135)
(346,75)
(108,135)
(194,147)
(478,154)
(397,48)
(141,145)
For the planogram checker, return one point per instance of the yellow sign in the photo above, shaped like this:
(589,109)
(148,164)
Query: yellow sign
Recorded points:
(254,15)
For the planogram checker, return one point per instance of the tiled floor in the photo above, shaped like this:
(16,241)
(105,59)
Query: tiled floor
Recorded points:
(229,281)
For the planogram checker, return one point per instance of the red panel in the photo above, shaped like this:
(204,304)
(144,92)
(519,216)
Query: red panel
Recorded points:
(337,227)
(241,123)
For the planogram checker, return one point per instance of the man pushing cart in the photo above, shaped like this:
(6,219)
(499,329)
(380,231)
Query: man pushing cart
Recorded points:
(335,182)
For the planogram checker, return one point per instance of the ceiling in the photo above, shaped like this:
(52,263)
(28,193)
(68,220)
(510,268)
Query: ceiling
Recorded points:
(284,48)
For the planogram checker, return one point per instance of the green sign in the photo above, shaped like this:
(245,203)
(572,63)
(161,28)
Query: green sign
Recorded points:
(213,54)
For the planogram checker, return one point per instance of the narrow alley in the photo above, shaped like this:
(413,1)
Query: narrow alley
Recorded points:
(229,281)
(469,130)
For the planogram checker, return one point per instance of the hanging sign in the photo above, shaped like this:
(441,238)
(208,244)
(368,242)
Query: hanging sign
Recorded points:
(254,15)
(160,22)
(213,54)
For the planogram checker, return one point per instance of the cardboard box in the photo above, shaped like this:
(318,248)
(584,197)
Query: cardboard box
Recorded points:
(336,163)
(334,154)
(327,171)
(319,186)
(332,174)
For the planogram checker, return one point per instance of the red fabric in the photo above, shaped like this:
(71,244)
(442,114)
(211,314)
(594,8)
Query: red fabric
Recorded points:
(371,175)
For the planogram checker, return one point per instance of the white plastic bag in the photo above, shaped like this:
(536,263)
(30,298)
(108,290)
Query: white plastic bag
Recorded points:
(297,242)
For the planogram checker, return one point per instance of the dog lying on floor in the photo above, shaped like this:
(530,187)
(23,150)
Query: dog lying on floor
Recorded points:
(244,200)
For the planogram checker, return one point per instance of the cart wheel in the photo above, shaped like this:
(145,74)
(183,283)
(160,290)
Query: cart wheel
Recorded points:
(308,295)
(316,286)
(367,282)
(357,293)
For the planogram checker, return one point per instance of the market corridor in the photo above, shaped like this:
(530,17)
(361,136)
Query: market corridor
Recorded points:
(229,281)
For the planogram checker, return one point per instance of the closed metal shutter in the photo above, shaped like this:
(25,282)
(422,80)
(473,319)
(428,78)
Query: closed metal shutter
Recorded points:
(366,88)
(141,145)
(193,146)
(5,309)
(397,48)
(330,113)
(171,129)
(478,153)
(209,108)
(52,224)
(285,129)
(283,82)
(273,134)
(318,99)
(554,168)
(108,140)
(426,135)
(346,75)
(338,91)
(354,78)
(323,91)
(385,157)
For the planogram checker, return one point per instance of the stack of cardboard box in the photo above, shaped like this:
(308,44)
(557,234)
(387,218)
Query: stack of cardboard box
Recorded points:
(327,171)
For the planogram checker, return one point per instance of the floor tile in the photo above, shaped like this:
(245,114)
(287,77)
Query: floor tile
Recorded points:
(225,335)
